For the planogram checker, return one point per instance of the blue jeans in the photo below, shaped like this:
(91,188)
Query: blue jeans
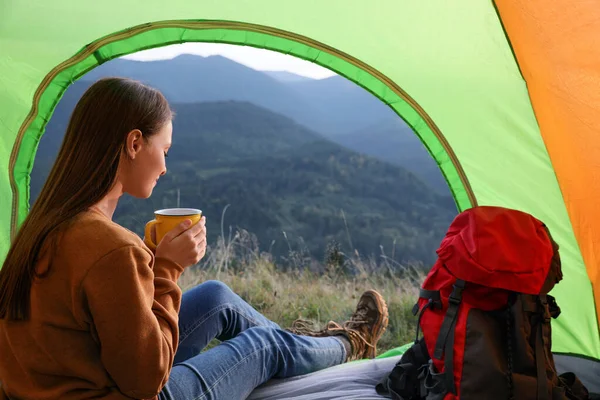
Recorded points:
(252,351)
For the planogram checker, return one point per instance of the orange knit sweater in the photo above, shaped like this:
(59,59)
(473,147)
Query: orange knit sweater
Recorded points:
(103,320)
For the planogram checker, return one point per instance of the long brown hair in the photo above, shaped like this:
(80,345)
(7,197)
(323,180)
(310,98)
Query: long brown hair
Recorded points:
(84,172)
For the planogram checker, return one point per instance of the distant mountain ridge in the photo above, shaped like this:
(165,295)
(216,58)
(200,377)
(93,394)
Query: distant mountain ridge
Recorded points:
(285,76)
(331,106)
(386,142)
(334,107)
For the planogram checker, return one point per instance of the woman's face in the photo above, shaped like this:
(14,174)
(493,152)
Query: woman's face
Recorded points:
(144,162)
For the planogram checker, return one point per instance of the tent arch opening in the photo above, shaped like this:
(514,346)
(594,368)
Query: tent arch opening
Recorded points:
(152,35)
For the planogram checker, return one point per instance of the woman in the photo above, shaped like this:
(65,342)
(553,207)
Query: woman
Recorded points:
(88,311)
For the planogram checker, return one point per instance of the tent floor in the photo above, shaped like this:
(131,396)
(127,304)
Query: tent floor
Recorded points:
(352,381)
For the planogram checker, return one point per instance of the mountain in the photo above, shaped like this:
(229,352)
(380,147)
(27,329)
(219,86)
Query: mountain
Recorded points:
(349,106)
(331,106)
(194,79)
(286,184)
(217,134)
(286,77)
(393,141)
(334,107)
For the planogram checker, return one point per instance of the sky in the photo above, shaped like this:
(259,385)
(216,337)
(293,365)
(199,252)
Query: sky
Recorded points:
(259,59)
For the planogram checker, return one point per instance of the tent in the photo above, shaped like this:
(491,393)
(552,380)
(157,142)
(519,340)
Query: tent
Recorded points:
(504,94)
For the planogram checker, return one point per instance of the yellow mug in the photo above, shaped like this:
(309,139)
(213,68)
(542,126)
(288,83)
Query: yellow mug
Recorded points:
(167,219)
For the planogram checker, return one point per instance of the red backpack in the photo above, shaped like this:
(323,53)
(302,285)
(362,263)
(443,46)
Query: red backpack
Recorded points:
(485,315)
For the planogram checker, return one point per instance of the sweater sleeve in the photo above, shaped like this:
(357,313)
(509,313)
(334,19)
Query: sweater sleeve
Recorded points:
(134,310)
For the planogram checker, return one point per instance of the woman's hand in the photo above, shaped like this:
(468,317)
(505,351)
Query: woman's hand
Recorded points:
(184,245)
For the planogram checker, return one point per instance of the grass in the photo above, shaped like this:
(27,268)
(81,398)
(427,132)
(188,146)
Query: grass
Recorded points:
(308,289)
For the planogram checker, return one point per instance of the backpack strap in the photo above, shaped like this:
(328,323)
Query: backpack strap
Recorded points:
(433,301)
(540,356)
(445,340)
(540,362)
(430,294)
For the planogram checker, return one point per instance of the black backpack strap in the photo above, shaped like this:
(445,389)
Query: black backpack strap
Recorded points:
(540,356)
(445,340)
(450,318)
(433,301)
(430,294)
(540,361)
(449,361)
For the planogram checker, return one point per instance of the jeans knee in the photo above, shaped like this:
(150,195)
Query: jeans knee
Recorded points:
(215,286)
(213,292)
(264,334)
(263,331)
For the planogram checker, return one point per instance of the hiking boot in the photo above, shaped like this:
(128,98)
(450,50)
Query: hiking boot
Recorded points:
(363,330)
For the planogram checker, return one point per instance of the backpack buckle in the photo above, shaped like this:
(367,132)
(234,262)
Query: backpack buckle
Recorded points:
(457,289)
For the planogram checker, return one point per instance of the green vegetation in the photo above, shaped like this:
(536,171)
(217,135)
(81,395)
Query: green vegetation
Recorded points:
(301,292)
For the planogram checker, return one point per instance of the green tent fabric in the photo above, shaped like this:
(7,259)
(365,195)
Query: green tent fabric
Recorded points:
(446,68)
